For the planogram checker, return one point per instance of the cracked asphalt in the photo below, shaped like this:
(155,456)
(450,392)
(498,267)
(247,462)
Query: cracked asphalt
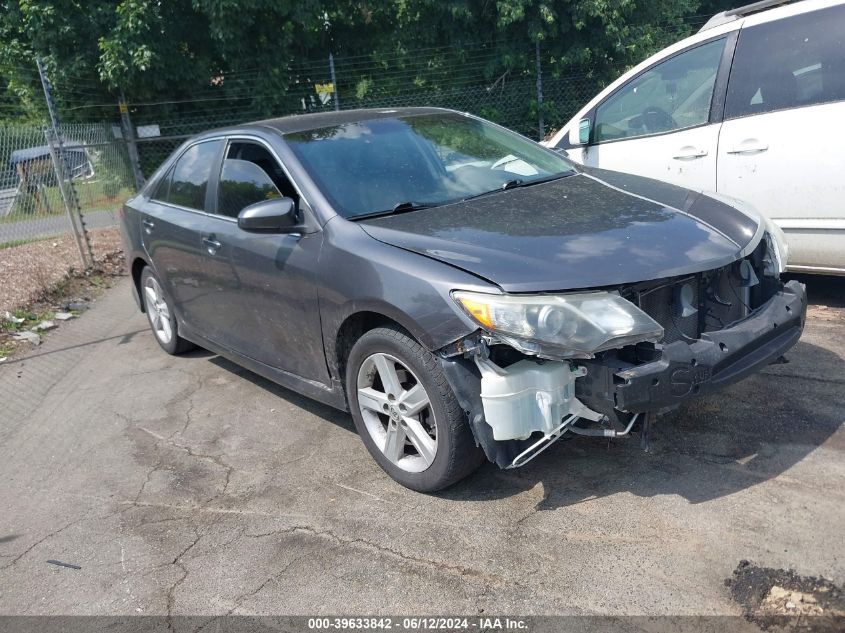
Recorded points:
(190,486)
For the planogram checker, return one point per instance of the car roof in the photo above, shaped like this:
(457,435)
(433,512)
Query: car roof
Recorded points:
(734,14)
(766,11)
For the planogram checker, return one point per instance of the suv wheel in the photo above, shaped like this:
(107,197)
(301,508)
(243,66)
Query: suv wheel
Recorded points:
(406,413)
(160,315)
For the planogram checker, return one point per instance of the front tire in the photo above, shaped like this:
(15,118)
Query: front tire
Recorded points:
(406,413)
(161,316)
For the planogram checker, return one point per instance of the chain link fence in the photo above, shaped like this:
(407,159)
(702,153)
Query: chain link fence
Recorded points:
(74,181)
(54,184)
(29,198)
(512,103)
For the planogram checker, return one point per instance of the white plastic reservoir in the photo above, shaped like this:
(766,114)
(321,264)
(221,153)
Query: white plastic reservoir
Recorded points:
(527,396)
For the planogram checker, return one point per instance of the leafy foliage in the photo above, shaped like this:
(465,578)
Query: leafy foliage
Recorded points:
(196,55)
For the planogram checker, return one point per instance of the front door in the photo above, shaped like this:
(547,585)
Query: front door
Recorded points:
(657,124)
(262,285)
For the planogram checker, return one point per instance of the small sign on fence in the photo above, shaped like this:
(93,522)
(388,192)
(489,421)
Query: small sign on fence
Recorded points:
(148,131)
(325,92)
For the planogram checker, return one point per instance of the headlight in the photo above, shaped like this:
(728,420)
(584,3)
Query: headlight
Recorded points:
(581,323)
(777,249)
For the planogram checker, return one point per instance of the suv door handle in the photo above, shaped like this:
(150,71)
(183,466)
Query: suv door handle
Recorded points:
(749,146)
(690,153)
(149,225)
(211,244)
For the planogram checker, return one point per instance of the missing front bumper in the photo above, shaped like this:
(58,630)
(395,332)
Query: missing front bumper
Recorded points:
(676,372)
(715,360)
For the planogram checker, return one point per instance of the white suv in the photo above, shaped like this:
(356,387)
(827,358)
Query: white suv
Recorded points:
(751,107)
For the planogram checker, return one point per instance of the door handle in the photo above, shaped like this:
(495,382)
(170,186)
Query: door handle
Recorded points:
(149,225)
(690,153)
(211,244)
(748,147)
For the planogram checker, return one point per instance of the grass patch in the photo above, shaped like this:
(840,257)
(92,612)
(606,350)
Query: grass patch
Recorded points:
(26,315)
(30,319)
(9,326)
(30,240)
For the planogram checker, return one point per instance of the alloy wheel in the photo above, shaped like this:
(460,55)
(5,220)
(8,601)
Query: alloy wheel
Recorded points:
(158,311)
(397,412)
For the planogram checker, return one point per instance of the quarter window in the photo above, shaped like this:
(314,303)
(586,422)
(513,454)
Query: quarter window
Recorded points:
(672,95)
(163,187)
(189,181)
(250,174)
(788,63)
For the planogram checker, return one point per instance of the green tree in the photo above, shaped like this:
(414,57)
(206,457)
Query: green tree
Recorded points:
(263,56)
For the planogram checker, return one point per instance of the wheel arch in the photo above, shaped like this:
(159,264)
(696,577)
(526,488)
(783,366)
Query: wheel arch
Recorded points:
(358,323)
(135,269)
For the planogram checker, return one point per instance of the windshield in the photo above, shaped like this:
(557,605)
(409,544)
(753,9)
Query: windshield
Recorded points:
(371,167)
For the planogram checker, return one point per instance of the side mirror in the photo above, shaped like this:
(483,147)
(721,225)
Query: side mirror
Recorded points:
(278,215)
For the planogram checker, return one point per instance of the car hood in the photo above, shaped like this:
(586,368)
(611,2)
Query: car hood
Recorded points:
(595,228)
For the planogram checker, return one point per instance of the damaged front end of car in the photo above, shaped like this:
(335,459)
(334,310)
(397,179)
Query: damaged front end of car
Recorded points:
(608,361)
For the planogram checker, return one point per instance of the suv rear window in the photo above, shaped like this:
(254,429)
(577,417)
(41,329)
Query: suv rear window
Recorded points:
(788,63)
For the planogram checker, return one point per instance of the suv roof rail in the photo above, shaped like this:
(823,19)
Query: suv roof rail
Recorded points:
(734,14)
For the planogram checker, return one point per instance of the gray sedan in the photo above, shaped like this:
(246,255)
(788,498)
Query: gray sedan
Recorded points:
(465,293)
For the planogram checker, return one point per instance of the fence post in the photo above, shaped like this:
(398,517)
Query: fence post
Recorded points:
(131,145)
(74,212)
(334,83)
(84,254)
(541,125)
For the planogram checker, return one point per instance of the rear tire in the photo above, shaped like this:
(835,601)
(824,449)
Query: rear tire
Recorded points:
(406,413)
(160,315)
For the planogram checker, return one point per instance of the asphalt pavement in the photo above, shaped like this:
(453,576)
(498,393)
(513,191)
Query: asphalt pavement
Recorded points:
(187,485)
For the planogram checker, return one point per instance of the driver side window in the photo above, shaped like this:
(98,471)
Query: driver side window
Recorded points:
(672,95)
(250,174)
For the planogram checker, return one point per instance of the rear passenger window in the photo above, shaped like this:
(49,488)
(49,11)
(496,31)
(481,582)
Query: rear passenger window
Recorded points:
(789,63)
(189,181)
(250,174)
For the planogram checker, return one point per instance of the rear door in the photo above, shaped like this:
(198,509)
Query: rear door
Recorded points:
(262,286)
(784,131)
(658,124)
(171,222)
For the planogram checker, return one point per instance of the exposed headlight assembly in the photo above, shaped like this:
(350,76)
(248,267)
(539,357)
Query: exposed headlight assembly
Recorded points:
(777,250)
(568,325)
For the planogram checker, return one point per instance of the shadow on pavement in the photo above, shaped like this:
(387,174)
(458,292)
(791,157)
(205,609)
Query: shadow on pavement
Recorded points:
(341,419)
(124,338)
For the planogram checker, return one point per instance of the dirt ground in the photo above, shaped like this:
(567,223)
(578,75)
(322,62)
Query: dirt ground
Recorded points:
(29,271)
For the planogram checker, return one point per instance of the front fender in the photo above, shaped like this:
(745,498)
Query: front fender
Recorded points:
(360,274)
